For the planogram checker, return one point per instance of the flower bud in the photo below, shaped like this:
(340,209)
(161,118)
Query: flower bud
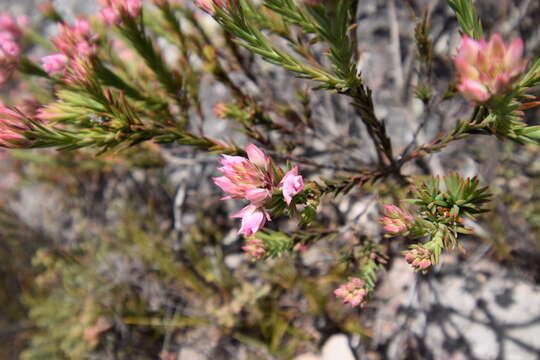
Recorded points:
(353,292)
(397,221)
(419,258)
(255,249)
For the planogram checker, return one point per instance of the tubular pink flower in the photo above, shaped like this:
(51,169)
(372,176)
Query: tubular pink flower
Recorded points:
(255,249)
(291,184)
(353,292)
(253,219)
(54,64)
(488,68)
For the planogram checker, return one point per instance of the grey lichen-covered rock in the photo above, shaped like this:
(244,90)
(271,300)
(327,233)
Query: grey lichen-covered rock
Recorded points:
(472,311)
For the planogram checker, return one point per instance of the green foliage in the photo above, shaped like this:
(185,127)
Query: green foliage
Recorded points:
(468,19)
(441,210)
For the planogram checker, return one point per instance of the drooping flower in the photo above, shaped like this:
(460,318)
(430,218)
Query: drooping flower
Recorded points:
(254,248)
(353,292)
(396,221)
(253,219)
(291,184)
(419,258)
(12,127)
(54,64)
(488,68)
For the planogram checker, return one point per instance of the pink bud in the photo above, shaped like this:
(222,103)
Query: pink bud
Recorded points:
(257,157)
(397,221)
(254,248)
(353,292)
(419,257)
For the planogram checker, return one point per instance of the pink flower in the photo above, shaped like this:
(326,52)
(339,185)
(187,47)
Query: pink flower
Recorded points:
(255,249)
(418,257)
(12,127)
(253,219)
(249,178)
(13,26)
(109,16)
(208,5)
(10,51)
(291,184)
(353,292)
(113,11)
(76,41)
(397,221)
(54,64)
(488,68)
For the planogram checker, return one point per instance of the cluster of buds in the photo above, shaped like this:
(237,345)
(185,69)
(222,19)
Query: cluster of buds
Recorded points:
(418,257)
(210,5)
(254,179)
(10,50)
(113,11)
(254,249)
(12,127)
(489,68)
(353,292)
(396,220)
(75,44)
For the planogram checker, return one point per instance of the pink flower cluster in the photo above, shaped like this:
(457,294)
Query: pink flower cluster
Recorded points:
(488,68)
(253,179)
(353,292)
(75,42)
(112,11)
(10,51)
(209,5)
(254,248)
(396,221)
(419,257)
(12,125)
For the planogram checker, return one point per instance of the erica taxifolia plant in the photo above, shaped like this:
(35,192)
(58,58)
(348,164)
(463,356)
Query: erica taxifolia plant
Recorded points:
(135,73)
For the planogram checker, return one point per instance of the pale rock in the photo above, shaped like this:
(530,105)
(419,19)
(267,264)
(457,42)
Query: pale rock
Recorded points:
(337,347)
